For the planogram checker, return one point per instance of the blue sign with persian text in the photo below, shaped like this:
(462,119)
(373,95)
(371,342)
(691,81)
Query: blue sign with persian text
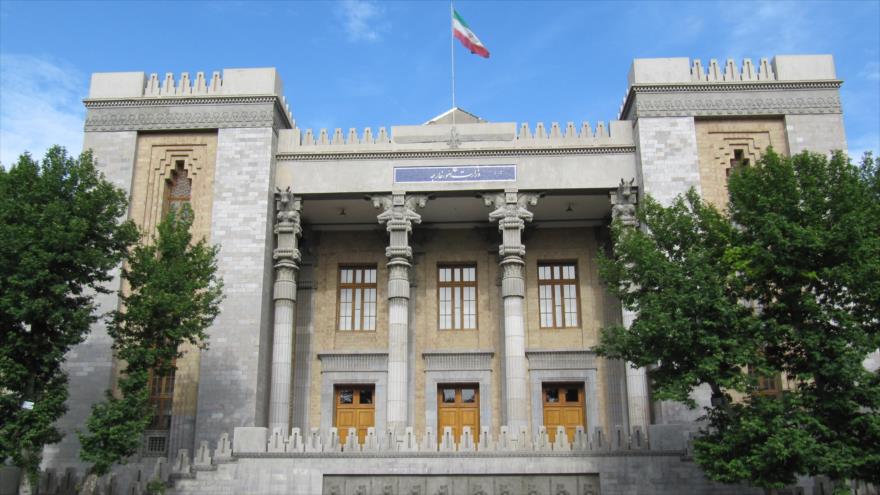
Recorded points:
(463,173)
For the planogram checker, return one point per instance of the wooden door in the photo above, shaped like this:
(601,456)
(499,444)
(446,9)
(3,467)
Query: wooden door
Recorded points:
(563,406)
(458,406)
(355,408)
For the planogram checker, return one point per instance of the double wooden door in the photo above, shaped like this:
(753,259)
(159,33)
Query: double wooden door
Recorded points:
(458,406)
(355,408)
(563,406)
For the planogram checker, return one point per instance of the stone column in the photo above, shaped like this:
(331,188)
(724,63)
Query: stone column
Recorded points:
(623,208)
(287,257)
(302,346)
(398,214)
(511,213)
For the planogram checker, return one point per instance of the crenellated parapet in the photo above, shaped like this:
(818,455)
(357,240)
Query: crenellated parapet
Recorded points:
(616,136)
(198,86)
(729,72)
(782,85)
(120,101)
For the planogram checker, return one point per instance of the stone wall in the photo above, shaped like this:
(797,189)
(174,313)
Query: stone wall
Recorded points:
(818,133)
(667,156)
(89,365)
(233,388)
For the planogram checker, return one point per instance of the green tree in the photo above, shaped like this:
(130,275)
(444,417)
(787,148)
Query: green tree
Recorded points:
(787,282)
(174,296)
(691,321)
(60,237)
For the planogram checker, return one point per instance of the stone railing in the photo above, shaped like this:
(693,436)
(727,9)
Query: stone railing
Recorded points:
(255,441)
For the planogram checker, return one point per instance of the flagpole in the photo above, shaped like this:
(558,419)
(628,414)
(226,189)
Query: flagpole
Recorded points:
(452,55)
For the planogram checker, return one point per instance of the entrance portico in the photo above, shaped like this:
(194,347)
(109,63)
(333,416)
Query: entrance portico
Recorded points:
(453,227)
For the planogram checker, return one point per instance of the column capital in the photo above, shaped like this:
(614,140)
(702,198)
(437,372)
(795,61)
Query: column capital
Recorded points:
(511,212)
(623,203)
(288,229)
(511,204)
(398,213)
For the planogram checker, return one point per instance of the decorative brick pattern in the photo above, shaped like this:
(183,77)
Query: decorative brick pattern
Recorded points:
(717,140)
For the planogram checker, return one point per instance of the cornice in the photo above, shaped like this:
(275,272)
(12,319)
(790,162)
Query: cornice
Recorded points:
(735,86)
(180,100)
(453,153)
(458,360)
(353,361)
(551,359)
(747,89)
(138,120)
(207,112)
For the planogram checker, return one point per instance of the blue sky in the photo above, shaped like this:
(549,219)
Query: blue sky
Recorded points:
(360,63)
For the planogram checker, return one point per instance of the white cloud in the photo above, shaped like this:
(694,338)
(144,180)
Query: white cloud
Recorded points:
(362,20)
(871,71)
(856,147)
(40,105)
(765,28)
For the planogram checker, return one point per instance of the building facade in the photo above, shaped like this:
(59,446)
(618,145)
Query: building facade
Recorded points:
(414,309)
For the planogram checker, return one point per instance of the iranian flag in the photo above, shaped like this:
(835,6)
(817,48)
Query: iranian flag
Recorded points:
(467,37)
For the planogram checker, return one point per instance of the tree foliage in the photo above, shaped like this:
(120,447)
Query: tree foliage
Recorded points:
(174,296)
(60,237)
(786,282)
(691,320)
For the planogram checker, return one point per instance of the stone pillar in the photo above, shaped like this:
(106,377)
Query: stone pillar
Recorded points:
(302,346)
(623,208)
(287,257)
(511,213)
(398,214)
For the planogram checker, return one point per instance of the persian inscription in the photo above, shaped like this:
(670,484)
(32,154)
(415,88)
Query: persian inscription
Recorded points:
(463,173)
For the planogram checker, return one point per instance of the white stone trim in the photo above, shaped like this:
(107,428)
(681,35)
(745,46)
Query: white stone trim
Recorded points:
(479,360)
(353,368)
(547,359)
(481,377)
(329,380)
(353,361)
(561,366)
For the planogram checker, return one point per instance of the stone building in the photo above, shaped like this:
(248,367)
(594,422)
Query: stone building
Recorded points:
(414,309)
